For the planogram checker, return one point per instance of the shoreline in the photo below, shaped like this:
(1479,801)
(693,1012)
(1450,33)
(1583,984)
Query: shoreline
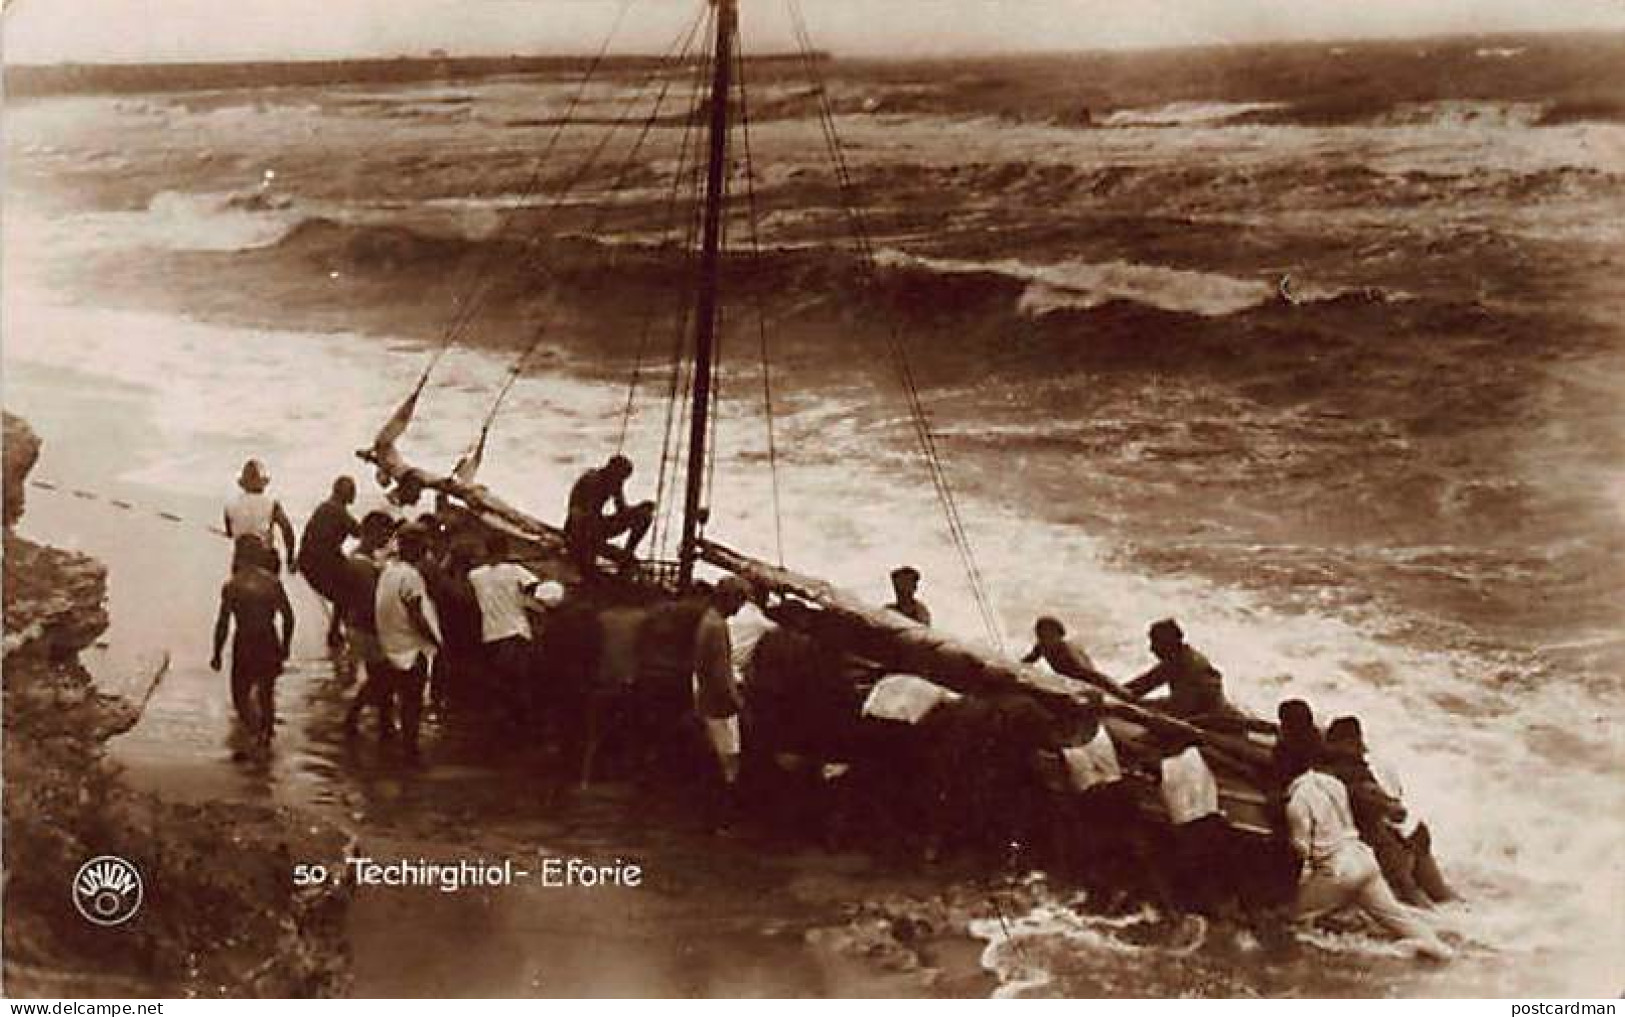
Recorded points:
(204,929)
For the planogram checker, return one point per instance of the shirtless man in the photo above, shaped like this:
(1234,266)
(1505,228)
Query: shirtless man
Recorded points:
(253,599)
(321,550)
(588,527)
(1067,658)
(905,584)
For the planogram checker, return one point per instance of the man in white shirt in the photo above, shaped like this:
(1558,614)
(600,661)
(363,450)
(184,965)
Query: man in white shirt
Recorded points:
(255,513)
(745,629)
(717,697)
(1339,869)
(1102,837)
(408,630)
(1202,838)
(505,593)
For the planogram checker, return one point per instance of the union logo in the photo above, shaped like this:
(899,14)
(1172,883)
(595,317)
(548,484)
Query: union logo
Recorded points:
(107,890)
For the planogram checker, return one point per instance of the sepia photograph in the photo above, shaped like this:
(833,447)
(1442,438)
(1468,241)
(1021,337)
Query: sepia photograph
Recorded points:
(735,499)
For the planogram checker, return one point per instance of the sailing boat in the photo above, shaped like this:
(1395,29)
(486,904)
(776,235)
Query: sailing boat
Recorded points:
(839,623)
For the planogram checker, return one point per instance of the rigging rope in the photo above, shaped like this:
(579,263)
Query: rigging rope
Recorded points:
(463,311)
(757,263)
(668,228)
(470,461)
(671,449)
(466,310)
(919,417)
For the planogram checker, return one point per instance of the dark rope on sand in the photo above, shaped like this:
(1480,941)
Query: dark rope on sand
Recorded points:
(121,505)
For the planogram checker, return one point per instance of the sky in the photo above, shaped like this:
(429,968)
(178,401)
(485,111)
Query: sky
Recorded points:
(49,31)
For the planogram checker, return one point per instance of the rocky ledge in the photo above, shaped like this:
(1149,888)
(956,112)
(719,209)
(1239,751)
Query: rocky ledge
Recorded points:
(220,916)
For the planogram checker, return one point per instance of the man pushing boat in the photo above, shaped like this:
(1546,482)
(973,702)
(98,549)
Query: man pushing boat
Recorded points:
(1195,686)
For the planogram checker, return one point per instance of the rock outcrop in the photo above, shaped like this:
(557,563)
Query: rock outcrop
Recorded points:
(220,916)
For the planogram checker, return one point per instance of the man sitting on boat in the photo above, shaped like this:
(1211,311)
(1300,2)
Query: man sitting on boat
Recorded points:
(905,581)
(588,527)
(1195,687)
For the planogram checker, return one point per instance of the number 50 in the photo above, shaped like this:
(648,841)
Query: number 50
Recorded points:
(309,875)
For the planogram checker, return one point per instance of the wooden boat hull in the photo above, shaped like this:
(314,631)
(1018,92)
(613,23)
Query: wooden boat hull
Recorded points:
(893,643)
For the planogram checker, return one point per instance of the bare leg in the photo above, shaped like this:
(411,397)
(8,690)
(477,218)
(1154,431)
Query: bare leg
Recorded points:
(1428,876)
(1376,900)
(639,518)
(409,691)
(265,702)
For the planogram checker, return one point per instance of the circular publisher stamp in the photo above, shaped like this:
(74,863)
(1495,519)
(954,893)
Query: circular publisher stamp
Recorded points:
(107,890)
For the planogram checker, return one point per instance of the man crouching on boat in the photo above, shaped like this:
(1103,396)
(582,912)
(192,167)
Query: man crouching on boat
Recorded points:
(588,528)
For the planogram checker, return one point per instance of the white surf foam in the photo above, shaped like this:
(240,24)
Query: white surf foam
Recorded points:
(1183,114)
(1085,285)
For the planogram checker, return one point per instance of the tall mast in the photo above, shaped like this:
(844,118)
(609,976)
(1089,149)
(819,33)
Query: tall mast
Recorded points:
(705,317)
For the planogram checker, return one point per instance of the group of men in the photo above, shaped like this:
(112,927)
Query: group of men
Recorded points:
(404,598)
(413,605)
(1357,843)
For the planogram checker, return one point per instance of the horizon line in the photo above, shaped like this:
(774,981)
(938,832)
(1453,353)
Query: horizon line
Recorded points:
(827,53)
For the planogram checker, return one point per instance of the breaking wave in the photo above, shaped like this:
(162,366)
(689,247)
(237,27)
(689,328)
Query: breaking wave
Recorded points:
(221,222)
(1183,114)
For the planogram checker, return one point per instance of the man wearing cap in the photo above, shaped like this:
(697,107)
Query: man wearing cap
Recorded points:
(588,527)
(905,582)
(408,630)
(1195,687)
(255,513)
(1401,842)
